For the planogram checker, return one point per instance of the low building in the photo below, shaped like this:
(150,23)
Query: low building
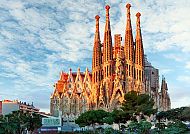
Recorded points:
(9,106)
(0,107)
(28,107)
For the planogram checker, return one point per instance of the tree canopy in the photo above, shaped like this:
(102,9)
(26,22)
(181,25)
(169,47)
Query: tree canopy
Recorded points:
(18,121)
(182,113)
(132,104)
(91,117)
(136,104)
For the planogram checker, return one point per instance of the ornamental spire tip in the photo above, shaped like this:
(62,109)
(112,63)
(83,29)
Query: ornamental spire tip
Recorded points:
(128,5)
(138,15)
(97,17)
(107,7)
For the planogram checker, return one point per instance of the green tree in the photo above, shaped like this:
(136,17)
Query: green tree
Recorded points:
(143,127)
(91,118)
(34,121)
(182,113)
(18,121)
(145,104)
(135,104)
(119,116)
(185,115)
(176,127)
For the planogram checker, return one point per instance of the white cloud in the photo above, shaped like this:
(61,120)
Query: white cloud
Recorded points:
(176,57)
(165,71)
(179,96)
(187,65)
(183,78)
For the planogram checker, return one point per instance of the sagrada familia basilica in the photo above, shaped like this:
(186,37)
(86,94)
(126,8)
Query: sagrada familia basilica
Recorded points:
(116,69)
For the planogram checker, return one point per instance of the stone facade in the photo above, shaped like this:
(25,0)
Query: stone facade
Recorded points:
(160,96)
(116,69)
(164,98)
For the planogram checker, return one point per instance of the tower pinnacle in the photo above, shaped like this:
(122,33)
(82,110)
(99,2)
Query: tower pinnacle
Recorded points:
(129,45)
(96,59)
(128,6)
(139,53)
(107,13)
(138,25)
(107,49)
(97,33)
(107,7)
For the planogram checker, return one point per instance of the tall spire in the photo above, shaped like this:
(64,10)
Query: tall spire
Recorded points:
(163,84)
(129,47)
(139,51)
(97,55)
(97,33)
(138,36)
(128,6)
(97,45)
(107,47)
(107,27)
(107,66)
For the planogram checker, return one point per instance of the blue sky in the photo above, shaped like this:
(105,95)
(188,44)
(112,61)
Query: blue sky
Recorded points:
(39,38)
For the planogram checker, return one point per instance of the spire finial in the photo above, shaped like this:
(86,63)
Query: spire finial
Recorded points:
(163,78)
(107,11)
(107,7)
(128,11)
(129,46)
(138,20)
(61,75)
(139,44)
(128,16)
(97,17)
(128,6)
(138,15)
(87,69)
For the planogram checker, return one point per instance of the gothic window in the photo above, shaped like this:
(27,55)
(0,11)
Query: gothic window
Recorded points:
(78,79)
(99,75)
(69,86)
(96,76)
(107,70)
(132,71)
(77,85)
(70,80)
(129,70)
(110,70)
(142,75)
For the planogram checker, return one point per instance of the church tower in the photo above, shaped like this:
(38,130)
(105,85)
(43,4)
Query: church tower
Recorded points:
(107,64)
(129,51)
(139,58)
(119,82)
(117,69)
(164,96)
(96,63)
(107,47)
